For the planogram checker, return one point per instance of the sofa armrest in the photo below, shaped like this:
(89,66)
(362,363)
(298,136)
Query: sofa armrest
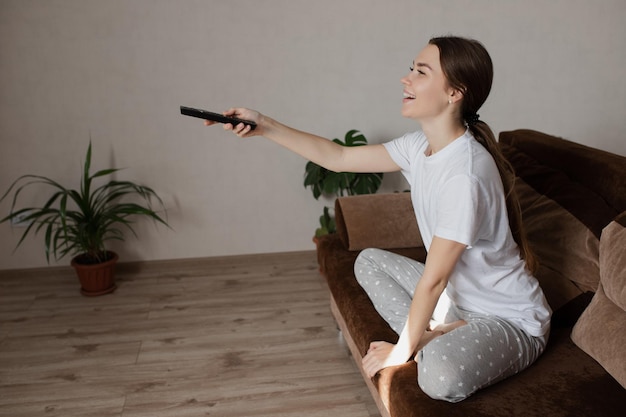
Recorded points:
(384,221)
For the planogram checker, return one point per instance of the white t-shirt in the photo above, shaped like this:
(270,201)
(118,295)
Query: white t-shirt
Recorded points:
(457,194)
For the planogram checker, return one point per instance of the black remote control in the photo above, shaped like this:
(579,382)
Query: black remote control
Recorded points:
(215,117)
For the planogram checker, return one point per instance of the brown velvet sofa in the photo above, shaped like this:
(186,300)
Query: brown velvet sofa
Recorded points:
(574,205)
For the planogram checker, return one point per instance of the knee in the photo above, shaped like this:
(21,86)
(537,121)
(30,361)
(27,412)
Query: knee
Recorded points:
(442,380)
(365,264)
(366,256)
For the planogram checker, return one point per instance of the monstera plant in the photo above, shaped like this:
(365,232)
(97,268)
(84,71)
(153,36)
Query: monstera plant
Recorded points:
(337,184)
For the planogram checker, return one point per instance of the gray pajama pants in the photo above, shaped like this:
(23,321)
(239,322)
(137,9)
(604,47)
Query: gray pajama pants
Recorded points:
(455,365)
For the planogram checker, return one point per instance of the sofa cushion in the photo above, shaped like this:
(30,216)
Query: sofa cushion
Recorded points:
(600,330)
(384,221)
(613,261)
(566,249)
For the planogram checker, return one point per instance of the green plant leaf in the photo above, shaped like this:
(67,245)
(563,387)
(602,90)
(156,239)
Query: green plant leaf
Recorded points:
(355,138)
(104,172)
(366,183)
(314,178)
(328,183)
(80,221)
(327,223)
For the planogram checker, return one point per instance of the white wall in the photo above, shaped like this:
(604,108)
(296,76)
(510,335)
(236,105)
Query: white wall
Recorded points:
(116,72)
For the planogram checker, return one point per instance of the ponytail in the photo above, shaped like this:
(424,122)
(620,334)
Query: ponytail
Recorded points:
(484,135)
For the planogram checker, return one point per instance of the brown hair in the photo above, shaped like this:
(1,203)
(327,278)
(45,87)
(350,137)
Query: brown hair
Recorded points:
(468,68)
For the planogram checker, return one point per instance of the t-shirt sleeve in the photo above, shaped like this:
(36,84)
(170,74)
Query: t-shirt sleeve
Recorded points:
(459,209)
(400,151)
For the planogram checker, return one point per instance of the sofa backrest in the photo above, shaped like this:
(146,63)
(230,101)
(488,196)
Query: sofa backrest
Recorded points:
(568,193)
(587,182)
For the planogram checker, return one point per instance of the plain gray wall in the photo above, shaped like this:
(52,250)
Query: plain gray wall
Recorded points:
(116,71)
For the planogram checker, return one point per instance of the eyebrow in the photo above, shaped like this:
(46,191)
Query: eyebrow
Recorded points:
(423,65)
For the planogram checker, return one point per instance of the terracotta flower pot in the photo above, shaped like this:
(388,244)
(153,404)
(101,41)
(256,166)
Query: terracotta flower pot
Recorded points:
(96,279)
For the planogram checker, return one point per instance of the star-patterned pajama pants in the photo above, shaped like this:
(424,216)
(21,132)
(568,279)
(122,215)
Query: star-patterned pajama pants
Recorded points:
(455,365)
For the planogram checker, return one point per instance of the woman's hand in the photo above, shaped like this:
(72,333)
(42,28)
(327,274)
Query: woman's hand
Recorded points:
(380,355)
(242,130)
(383,354)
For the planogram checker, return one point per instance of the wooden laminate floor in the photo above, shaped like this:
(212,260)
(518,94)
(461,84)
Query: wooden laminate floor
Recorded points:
(234,336)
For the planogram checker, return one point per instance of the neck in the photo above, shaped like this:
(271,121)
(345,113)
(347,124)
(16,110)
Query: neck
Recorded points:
(440,135)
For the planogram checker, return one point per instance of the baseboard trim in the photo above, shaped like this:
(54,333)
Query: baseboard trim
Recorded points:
(188,265)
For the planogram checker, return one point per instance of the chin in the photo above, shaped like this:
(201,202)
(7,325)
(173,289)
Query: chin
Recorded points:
(408,115)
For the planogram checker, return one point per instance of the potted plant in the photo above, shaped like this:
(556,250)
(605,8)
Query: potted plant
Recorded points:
(78,222)
(329,183)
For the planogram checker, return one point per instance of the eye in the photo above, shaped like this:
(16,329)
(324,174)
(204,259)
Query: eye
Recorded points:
(412,68)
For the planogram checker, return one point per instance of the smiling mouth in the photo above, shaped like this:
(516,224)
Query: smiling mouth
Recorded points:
(408,96)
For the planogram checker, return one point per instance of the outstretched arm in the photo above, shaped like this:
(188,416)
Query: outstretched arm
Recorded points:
(370,158)
(440,262)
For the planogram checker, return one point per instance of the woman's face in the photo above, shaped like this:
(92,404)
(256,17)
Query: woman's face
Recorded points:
(426,91)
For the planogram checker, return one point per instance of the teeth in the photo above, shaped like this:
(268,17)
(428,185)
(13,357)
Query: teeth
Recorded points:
(407,95)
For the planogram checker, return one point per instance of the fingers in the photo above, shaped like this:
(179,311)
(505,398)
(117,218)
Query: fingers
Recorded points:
(376,357)
(371,365)
(240,130)
(370,362)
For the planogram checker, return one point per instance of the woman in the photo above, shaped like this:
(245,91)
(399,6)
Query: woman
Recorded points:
(496,321)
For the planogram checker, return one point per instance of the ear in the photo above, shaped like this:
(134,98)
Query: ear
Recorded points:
(455,95)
